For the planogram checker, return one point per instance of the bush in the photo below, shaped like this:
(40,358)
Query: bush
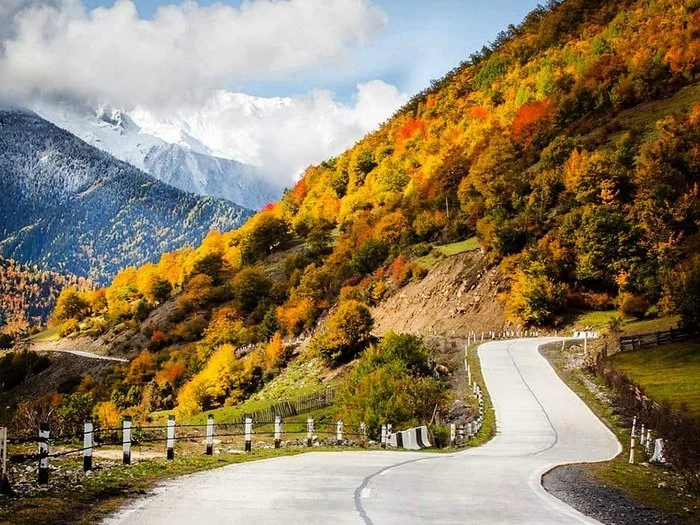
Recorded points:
(632,305)
(347,332)
(370,256)
(390,384)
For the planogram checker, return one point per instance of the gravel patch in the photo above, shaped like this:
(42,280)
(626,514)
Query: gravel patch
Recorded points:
(609,505)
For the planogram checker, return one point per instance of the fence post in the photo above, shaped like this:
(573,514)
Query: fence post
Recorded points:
(632,440)
(383,442)
(88,435)
(210,435)
(126,440)
(44,453)
(339,432)
(170,438)
(278,431)
(309,430)
(248,433)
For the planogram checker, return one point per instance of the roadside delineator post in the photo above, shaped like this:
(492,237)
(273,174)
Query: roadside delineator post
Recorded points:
(383,442)
(248,430)
(363,430)
(126,440)
(339,433)
(309,431)
(44,453)
(88,435)
(648,441)
(170,438)
(642,436)
(278,431)
(453,434)
(210,435)
(634,425)
(632,440)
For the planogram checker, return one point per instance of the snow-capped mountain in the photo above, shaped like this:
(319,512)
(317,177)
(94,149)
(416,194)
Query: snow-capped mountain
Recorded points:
(163,148)
(69,207)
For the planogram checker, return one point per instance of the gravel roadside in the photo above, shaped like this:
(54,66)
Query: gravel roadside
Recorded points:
(609,505)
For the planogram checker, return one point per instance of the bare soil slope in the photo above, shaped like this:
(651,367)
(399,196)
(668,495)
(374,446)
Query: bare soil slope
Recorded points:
(459,294)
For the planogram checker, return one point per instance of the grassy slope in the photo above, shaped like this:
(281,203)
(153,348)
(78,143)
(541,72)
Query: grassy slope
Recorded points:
(638,481)
(448,250)
(668,373)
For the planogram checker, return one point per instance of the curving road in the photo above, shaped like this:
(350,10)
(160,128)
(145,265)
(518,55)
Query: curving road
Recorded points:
(541,424)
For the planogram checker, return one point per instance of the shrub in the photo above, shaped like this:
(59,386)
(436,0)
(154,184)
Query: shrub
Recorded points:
(534,299)
(294,319)
(347,332)
(370,256)
(389,384)
(70,305)
(249,286)
(632,305)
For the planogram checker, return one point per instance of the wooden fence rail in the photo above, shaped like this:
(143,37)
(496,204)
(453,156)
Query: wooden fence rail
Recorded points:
(635,342)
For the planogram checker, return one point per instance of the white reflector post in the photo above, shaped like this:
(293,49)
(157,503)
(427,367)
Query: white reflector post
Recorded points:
(339,433)
(278,431)
(309,431)
(248,433)
(210,435)
(87,443)
(170,438)
(43,453)
(126,440)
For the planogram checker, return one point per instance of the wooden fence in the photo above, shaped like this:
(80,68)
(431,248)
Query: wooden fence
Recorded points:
(300,405)
(635,342)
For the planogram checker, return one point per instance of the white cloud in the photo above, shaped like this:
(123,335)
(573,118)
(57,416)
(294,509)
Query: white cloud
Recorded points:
(57,47)
(280,135)
(170,72)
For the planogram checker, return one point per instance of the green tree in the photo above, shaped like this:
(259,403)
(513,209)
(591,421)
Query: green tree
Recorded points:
(370,256)
(161,289)
(250,286)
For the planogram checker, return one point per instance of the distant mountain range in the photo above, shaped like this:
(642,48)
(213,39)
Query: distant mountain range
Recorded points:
(165,150)
(72,208)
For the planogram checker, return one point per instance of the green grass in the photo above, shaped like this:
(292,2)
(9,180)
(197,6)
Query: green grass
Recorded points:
(50,334)
(488,427)
(644,117)
(448,250)
(668,373)
(637,481)
(599,320)
(455,248)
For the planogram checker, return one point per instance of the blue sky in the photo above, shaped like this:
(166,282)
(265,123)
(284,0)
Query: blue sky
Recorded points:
(423,40)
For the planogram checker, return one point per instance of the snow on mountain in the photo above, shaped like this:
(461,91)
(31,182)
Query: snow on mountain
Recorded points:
(163,148)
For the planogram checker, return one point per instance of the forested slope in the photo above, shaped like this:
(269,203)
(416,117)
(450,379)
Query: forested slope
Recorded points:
(569,148)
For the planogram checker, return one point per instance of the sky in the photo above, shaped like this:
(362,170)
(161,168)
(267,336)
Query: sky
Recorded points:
(276,83)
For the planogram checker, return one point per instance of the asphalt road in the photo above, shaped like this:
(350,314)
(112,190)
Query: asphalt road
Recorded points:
(541,424)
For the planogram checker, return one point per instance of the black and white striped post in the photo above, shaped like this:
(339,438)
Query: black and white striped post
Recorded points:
(461,433)
(43,453)
(339,433)
(309,431)
(88,435)
(210,435)
(642,436)
(453,434)
(248,430)
(170,438)
(278,431)
(383,442)
(648,441)
(126,440)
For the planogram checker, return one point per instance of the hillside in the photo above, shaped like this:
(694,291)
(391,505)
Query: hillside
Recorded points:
(568,150)
(28,294)
(74,209)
